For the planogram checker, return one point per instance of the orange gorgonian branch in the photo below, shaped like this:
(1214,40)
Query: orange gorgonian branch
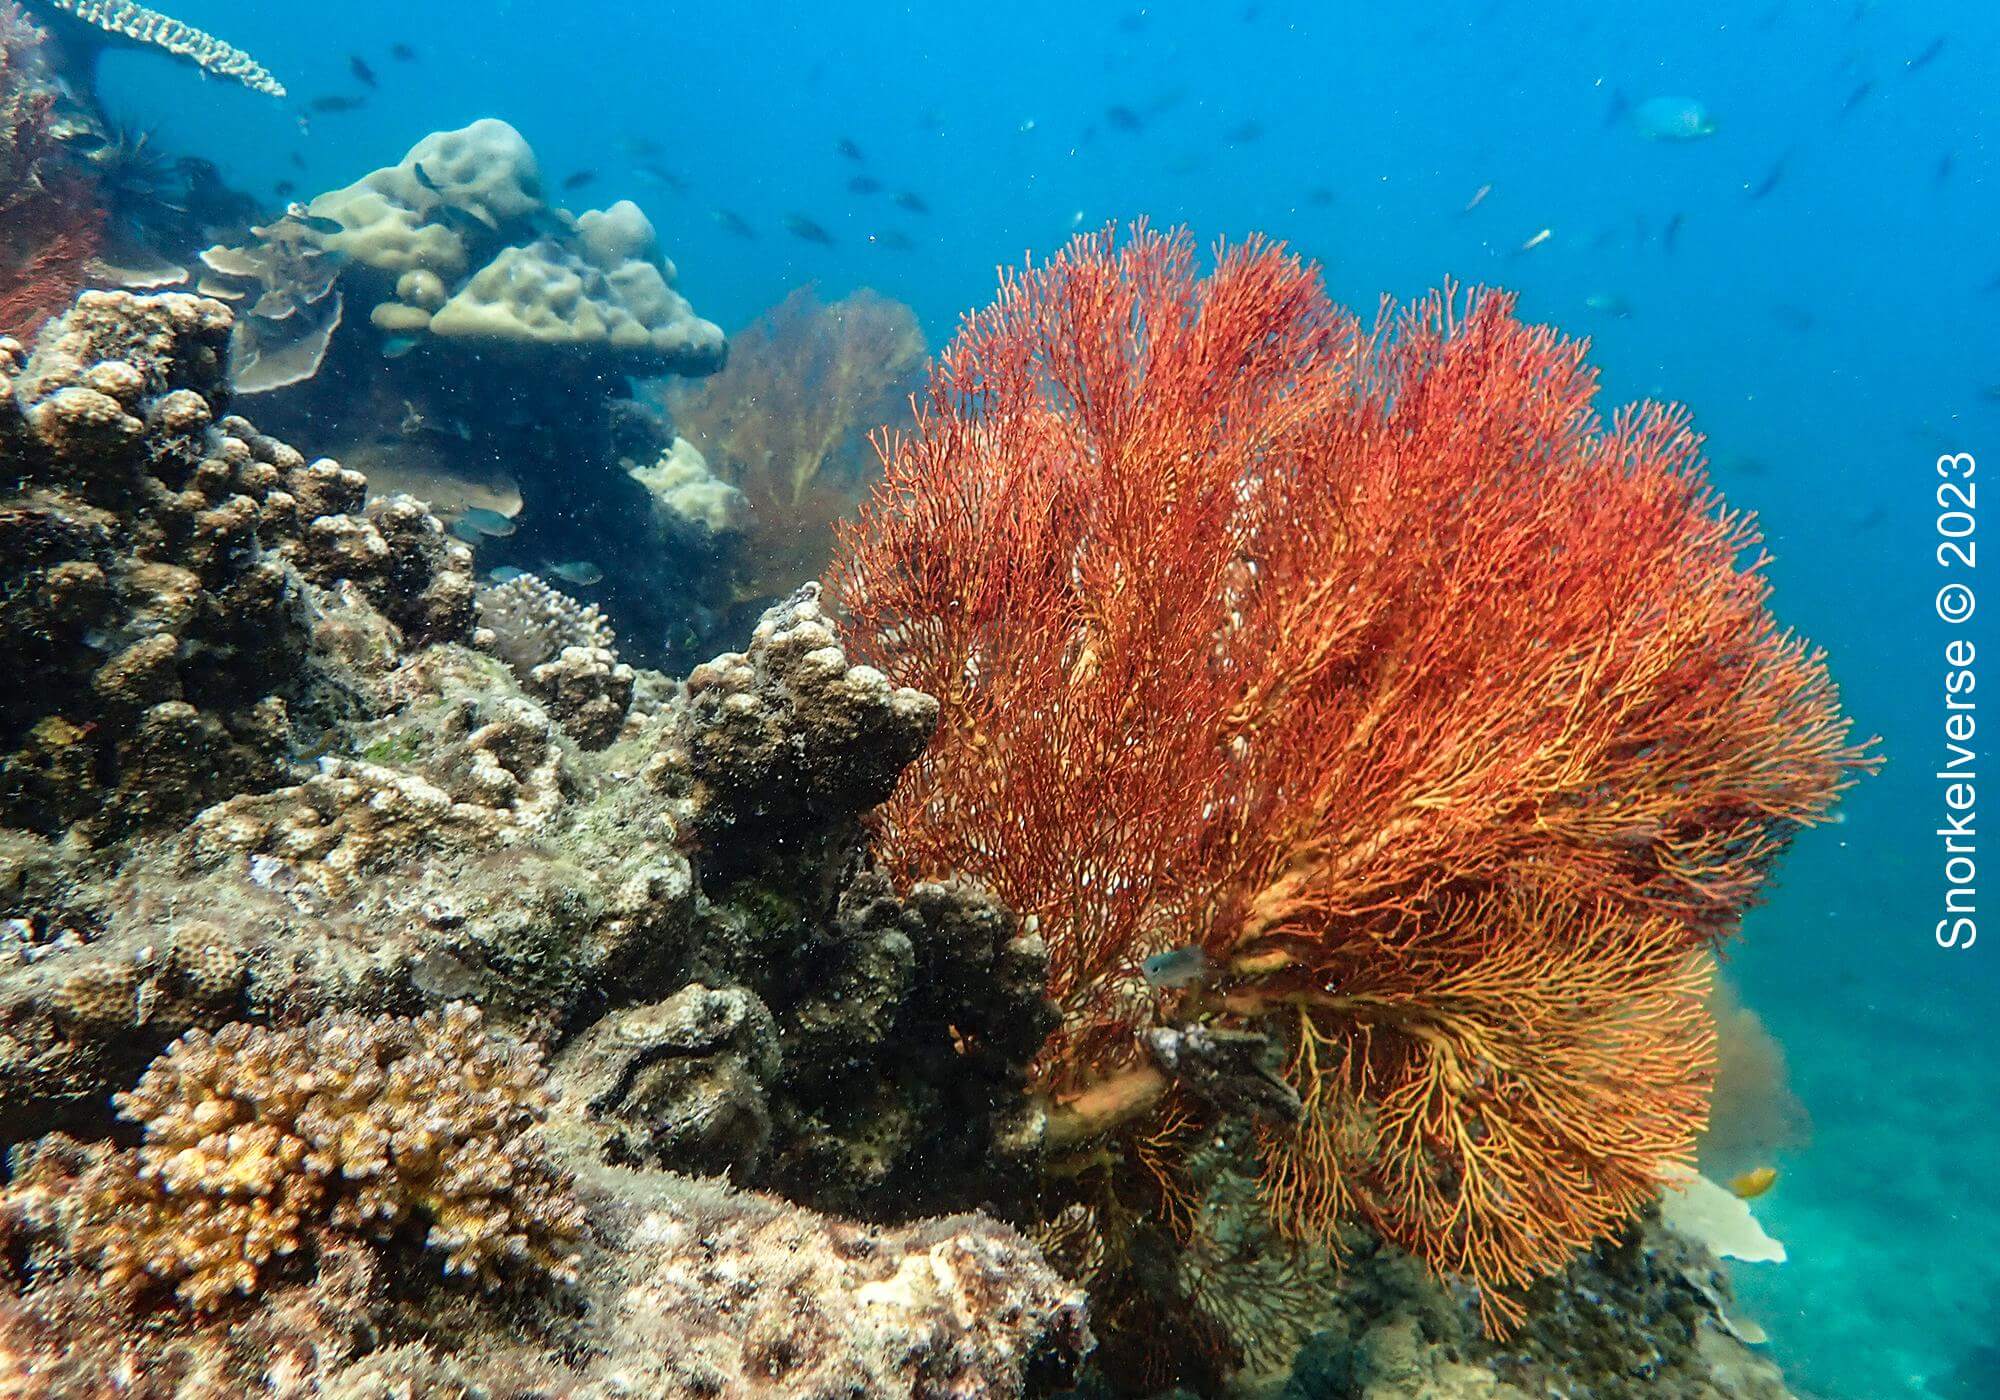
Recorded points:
(1445,719)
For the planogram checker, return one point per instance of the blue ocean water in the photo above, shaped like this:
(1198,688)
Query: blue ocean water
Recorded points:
(1818,279)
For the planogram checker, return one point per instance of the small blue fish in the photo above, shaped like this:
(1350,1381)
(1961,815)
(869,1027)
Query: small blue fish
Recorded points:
(397,346)
(1183,967)
(581,572)
(464,529)
(504,573)
(487,522)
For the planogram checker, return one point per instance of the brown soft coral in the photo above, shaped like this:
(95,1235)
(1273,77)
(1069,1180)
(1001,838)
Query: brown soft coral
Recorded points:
(784,423)
(256,1139)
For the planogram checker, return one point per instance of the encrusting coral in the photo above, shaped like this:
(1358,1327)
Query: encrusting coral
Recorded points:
(258,1139)
(94,24)
(1420,725)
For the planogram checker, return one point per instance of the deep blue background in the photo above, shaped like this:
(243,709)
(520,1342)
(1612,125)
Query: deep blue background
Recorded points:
(1832,338)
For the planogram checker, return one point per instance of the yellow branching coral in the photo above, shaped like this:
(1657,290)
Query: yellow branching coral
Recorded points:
(257,1138)
(132,23)
(785,422)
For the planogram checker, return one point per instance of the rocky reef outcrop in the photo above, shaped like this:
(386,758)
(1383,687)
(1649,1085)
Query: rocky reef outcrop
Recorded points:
(155,549)
(402,993)
(294,819)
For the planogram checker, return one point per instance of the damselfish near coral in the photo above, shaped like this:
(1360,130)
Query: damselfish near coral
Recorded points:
(257,1139)
(1409,719)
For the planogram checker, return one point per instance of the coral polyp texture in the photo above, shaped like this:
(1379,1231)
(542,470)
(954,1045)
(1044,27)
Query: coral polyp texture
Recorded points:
(1429,729)
(257,1139)
(102,22)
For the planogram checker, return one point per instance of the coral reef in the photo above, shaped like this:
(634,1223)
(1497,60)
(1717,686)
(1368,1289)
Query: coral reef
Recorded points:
(1644,1316)
(784,425)
(788,737)
(89,26)
(334,1176)
(284,285)
(1235,672)
(457,241)
(585,860)
(686,493)
(444,326)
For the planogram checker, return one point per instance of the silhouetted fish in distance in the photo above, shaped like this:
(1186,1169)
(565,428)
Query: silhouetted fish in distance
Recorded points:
(334,102)
(1858,96)
(358,66)
(1124,119)
(285,189)
(298,161)
(1244,133)
(1941,172)
(894,238)
(1319,196)
(424,177)
(864,184)
(1793,318)
(729,221)
(658,174)
(1771,179)
(848,149)
(799,226)
(1925,56)
(579,180)
(402,53)
(1670,235)
(912,202)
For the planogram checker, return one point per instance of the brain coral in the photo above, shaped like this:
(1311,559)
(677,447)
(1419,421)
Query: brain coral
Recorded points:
(255,1139)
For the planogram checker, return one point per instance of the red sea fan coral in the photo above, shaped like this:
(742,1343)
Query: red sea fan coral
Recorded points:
(49,227)
(1447,722)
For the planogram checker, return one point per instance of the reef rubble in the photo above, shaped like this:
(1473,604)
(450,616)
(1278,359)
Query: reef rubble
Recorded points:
(402,993)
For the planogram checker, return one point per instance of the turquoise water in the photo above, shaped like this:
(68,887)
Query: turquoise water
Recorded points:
(1834,335)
